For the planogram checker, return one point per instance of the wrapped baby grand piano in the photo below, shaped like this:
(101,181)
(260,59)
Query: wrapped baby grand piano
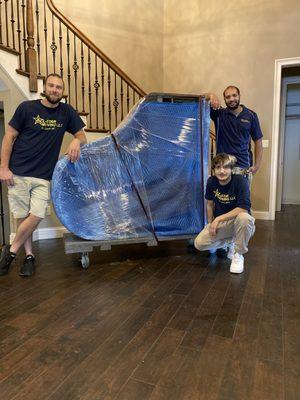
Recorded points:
(145,182)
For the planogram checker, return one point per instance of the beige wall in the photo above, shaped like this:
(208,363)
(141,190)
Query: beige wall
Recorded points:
(208,45)
(130,32)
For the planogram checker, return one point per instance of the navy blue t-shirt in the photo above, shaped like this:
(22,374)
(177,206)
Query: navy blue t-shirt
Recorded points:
(41,131)
(234,133)
(227,197)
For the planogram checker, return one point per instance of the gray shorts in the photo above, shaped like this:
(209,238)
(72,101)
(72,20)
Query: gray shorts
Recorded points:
(28,196)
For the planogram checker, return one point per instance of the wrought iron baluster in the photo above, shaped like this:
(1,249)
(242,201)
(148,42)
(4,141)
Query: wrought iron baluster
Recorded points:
(24,33)
(2,215)
(6,22)
(75,67)
(19,33)
(90,88)
(46,37)
(61,65)
(53,46)
(127,98)
(102,95)
(1,40)
(12,20)
(82,79)
(68,66)
(122,96)
(38,43)
(109,98)
(116,101)
(96,86)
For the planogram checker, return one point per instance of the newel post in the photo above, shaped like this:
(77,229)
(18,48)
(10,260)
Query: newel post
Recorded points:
(31,60)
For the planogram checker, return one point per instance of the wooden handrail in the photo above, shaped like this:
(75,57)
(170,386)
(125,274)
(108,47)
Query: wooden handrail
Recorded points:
(94,48)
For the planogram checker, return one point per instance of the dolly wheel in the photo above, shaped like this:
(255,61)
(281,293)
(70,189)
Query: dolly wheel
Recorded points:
(85,260)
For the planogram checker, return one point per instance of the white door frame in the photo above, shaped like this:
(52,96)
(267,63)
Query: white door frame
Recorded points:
(279,64)
(290,80)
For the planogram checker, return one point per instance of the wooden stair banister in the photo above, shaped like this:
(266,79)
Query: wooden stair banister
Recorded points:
(31,60)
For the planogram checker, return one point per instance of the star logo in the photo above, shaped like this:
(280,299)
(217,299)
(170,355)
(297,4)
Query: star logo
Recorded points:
(38,120)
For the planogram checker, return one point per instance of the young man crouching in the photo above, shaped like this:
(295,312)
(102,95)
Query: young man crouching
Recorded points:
(228,213)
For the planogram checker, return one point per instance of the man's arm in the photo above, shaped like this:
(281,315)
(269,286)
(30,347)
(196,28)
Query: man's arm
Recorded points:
(210,210)
(7,144)
(213,100)
(73,151)
(225,217)
(258,151)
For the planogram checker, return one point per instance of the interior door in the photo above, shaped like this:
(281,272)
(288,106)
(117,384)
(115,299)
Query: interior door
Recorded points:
(291,164)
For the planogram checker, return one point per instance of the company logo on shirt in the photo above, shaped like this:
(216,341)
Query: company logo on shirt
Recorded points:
(47,124)
(245,120)
(223,198)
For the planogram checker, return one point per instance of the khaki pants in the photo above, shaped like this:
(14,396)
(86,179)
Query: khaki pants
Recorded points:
(239,229)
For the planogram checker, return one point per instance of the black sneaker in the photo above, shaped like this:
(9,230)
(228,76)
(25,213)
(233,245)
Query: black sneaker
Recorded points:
(222,253)
(28,267)
(7,257)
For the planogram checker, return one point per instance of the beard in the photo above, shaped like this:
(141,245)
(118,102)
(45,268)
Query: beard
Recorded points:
(233,105)
(52,99)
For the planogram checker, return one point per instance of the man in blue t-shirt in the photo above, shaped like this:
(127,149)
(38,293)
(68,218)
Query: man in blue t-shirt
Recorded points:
(228,213)
(30,150)
(235,126)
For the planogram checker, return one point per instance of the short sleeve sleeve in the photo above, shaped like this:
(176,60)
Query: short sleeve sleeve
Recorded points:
(214,114)
(256,132)
(242,193)
(75,122)
(18,119)
(209,195)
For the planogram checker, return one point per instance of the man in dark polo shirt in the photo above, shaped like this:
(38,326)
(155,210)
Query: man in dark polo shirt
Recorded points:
(235,126)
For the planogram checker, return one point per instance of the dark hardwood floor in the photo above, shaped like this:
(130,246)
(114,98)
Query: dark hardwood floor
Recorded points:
(160,323)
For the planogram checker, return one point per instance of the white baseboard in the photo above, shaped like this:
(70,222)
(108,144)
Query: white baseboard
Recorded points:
(49,233)
(261,214)
(291,201)
(45,233)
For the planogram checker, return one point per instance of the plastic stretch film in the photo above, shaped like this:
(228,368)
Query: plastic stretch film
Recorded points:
(145,180)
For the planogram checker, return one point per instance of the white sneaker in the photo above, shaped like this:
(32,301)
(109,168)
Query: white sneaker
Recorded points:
(237,264)
(230,250)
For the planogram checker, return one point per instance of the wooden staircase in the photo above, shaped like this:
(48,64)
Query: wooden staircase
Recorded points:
(45,41)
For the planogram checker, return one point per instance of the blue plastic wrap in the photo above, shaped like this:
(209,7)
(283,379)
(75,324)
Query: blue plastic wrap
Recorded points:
(146,179)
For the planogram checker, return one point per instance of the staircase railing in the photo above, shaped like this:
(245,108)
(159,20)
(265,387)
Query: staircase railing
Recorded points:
(46,41)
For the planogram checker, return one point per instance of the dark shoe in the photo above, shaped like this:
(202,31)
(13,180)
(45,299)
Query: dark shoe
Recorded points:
(7,257)
(28,267)
(222,253)
(190,243)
